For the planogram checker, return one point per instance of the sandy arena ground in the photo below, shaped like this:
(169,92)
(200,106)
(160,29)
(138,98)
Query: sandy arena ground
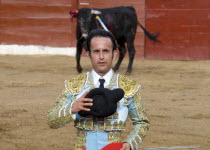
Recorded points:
(176,95)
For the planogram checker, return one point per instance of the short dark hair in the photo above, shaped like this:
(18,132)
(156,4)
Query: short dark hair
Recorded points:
(99,33)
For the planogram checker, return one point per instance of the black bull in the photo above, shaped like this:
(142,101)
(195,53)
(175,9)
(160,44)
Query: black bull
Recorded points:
(121,21)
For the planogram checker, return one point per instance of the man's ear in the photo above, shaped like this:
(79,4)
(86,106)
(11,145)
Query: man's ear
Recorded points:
(88,53)
(115,53)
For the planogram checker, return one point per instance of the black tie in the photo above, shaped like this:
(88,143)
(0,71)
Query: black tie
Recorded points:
(101,83)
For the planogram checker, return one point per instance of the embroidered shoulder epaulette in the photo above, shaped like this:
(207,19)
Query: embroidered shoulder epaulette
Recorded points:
(130,87)
(75,84)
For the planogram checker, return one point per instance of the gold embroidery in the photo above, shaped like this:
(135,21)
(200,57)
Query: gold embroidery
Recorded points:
(110,136)
(125,102)
(116,115)
(113,136)
(137,98)
(81,139)
(75,84)
(109,117)
(115,125)
(137,139)
(121,125)
(79,146)
(81,133)
(82,123)
(76,123)
(133,144)
(108,125)
(89,125)
(94,126)
(101,126)
(129,86)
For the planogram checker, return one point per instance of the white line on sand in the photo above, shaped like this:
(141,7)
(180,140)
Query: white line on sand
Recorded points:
(36,50)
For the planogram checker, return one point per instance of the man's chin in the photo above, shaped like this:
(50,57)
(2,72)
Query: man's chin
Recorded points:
(103,70)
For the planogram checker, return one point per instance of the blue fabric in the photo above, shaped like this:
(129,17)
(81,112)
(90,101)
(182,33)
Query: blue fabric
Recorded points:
(96,140)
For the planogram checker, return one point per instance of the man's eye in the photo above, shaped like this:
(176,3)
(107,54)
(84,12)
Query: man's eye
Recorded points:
(95,51)
(106,51)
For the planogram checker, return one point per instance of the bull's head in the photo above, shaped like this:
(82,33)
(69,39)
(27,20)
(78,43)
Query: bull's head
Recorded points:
(85,19)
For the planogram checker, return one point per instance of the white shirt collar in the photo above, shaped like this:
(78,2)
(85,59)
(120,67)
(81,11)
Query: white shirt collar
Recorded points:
(106,77)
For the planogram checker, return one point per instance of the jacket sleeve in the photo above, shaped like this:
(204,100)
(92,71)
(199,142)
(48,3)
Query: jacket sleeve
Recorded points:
(60,113)
(139,120)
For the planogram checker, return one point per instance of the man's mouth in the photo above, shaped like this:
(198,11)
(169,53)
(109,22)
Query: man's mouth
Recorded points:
(101,63)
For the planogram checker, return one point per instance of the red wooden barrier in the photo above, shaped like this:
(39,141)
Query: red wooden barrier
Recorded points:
(184,27)
(37,22)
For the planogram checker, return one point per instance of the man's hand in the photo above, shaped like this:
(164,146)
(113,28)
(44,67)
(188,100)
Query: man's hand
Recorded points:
(126,146)
(81,102)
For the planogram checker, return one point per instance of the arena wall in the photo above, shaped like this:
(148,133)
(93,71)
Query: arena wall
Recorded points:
(184,26)
(42,24)
(47,23)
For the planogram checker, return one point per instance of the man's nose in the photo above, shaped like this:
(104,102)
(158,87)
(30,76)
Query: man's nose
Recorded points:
(101,55)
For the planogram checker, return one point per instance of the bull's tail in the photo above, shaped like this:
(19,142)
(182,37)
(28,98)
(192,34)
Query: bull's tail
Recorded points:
(151,36)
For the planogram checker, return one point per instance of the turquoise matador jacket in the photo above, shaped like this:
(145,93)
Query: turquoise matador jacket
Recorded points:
(131,105)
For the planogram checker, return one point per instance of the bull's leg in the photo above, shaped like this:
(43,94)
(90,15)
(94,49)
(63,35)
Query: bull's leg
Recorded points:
(122,50)
(131,51)
(78,55)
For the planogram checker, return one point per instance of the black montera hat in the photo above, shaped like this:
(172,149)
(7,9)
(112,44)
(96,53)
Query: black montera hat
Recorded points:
(104,102)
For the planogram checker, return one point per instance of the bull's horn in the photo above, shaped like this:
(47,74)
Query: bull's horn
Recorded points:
(95,12)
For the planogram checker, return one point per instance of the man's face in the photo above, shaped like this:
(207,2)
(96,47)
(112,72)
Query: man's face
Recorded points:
(101,54)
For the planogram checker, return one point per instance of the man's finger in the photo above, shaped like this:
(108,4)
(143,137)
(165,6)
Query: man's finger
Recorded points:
(85,109)
(87,104)
(125,146)
(87,100)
